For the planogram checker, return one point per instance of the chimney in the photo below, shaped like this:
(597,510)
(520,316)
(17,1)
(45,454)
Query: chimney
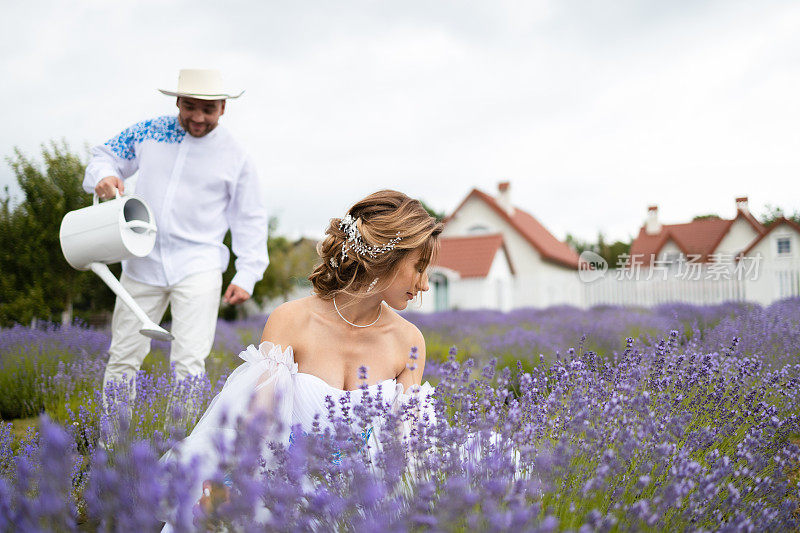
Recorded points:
(504,197)
(741,204)
(652,226)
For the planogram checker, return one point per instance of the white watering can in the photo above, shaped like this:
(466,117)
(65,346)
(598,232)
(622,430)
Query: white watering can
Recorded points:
(110,232)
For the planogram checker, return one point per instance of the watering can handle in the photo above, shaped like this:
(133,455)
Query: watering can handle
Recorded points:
(141,224)
(96,199)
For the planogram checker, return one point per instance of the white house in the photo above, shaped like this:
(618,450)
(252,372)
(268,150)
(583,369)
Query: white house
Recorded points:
(471,272)
(708,260)
(498,256)
(776,253)
(706,238)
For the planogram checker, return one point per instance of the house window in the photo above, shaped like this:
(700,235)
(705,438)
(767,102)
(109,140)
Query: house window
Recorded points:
(784,246)
(479,228)
(440,292)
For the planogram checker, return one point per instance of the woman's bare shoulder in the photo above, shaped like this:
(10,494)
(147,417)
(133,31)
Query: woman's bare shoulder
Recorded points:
(407,333)
(410,339)
(285,319)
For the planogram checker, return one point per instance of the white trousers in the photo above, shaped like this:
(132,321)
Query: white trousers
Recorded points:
(194,304)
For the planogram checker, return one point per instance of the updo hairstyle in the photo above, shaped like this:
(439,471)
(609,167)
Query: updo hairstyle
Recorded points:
(380,217)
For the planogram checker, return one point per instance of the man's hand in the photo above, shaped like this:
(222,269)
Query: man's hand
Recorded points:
(105,188)
(235,295)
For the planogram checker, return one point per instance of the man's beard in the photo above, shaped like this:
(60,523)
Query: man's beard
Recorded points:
(206,130)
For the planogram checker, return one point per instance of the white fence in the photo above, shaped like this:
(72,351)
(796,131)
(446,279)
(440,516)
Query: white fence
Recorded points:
(707,285)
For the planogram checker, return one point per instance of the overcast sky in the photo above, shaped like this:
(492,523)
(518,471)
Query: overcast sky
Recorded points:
(592,110)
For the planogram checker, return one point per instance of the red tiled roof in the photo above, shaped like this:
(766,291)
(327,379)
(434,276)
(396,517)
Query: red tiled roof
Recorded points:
(758,226)
(698,237)
(471,256)
(550,248)
(779,222)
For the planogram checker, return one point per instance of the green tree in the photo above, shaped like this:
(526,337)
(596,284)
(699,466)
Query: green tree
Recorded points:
(577,244)
(36,280)
(608,251)
(613,252)
(438,215)
(290,263)
(773,213)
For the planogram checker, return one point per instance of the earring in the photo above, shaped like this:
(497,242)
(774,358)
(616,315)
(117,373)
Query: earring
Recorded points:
(372,285)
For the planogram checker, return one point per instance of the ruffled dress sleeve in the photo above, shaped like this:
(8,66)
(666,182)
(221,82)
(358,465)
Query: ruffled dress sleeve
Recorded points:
(262,384)
(415,409)
(415,405)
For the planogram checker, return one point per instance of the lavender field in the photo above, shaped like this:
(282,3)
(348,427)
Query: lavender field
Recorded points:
(677,417)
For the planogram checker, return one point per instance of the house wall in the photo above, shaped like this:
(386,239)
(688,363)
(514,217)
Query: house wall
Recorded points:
(495,291)
(537,283)
(777,276)
(739,237)
(552,285)
(499,284)
(670,249)
(470,293)
(769,246)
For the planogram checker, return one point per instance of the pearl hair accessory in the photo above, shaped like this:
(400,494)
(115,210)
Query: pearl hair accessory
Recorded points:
(372,285)
(356,242)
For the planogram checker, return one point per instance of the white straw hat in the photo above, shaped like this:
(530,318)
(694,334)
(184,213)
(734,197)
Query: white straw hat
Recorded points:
(204,84)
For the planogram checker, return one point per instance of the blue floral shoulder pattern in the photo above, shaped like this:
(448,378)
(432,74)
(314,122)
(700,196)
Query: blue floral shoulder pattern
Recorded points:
(164,129)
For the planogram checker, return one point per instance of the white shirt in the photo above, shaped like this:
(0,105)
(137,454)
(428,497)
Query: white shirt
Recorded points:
(197,188)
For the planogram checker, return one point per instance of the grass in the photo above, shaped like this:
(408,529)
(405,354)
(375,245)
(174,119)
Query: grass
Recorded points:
(19,426)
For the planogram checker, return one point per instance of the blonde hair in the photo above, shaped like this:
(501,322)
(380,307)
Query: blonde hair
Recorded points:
(380,217)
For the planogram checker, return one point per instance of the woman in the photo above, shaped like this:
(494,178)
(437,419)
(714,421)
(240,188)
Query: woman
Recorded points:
(378,253)
(374,261)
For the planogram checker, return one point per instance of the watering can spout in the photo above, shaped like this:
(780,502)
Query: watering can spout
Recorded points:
(149,328)
(110,232)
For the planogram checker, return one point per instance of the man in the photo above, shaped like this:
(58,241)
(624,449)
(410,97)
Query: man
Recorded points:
(198,182)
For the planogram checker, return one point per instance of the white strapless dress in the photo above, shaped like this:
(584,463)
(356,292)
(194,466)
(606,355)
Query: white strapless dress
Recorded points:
(269,381)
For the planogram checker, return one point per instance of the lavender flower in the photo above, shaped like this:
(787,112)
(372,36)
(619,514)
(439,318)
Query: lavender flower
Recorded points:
(677,417)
